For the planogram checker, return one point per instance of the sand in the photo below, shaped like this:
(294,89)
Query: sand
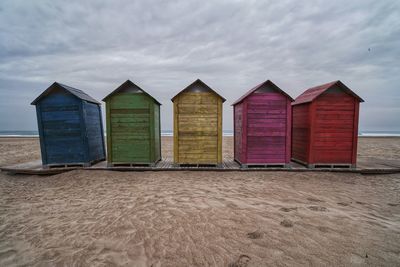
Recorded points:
(101,218)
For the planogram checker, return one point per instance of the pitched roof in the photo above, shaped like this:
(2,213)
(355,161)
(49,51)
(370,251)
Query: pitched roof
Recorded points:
(129,83)
(76,92)
(252,90)
(312,93)
(202,83)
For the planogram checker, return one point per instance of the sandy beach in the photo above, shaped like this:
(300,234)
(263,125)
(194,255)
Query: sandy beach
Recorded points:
(103,218)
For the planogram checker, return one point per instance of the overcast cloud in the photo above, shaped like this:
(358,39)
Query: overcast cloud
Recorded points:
(231,45)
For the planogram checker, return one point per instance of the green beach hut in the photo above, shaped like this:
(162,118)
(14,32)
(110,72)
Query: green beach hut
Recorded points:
(133,126)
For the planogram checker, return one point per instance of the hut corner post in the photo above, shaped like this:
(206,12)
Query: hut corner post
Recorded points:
(176,139)
(244,133)
(219,150)
(84,133)
(312,115)
(152,156)
(288,139)
(41,135)
(108,129)
(102,133)
(159,131)
(355,133)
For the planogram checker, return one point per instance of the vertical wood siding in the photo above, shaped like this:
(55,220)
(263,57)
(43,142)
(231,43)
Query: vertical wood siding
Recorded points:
(198,128)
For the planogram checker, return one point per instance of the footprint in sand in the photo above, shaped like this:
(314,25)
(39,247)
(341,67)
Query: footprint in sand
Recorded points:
(344,204)
(313,199)
(287,223)
(287,209)
(317,208)
(323,229)
(242,261)
(255,235)
(393,204)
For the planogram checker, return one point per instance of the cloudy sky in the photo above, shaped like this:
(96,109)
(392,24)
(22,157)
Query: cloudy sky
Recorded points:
(231,45)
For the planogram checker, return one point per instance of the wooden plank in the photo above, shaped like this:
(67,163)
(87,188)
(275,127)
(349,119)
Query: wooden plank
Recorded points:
(96,141)
(335,112)
(355,132)
(236,131)
(55,108)
(219,150)
(109,132)
(176,130)
(129,100)
(244,133)
(133,119)
(265,97)
(262,115)
(41,134)
(312,115)
(270,112)
(198,108)
(288,139)
(130,111)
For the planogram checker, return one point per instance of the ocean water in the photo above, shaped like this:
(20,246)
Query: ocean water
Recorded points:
(170,133)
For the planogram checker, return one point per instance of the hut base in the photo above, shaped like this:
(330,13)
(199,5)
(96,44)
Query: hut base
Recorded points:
(326,165)
(133,164)
(200,165)
(74,164)
(265,165)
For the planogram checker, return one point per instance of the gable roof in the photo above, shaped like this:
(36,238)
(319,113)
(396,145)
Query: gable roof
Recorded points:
(312,93)
(199,82)
(129,83)
(76,92)
(252,90)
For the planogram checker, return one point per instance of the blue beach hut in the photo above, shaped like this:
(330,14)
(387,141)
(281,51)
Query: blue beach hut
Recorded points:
(70,127)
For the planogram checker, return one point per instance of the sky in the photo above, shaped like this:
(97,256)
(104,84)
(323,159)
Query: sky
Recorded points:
(163,46)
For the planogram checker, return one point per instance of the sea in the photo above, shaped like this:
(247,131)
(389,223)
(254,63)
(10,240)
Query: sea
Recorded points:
(170,133)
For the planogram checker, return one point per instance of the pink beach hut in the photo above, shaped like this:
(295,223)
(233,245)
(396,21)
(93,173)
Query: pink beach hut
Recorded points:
(262,126)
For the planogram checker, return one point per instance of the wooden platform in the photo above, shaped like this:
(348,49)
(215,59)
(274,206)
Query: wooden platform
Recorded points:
(366,165)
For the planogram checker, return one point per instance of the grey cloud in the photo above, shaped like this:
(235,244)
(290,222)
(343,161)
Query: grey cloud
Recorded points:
(231,45)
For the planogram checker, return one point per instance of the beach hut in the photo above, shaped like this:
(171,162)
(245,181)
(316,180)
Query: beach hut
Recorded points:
(198,125)
(262,126)
(325,126)
(133,126)
(70,127)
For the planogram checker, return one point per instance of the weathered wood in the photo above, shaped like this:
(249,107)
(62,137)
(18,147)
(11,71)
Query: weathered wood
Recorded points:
(197,125)
(133,133)
(263,114)
(330,134)
(70,126)
(219,115)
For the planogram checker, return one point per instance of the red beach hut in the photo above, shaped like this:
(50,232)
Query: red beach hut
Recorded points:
(262,126)
(325,126)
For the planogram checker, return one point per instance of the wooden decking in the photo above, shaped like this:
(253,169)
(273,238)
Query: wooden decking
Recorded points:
(365,165)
